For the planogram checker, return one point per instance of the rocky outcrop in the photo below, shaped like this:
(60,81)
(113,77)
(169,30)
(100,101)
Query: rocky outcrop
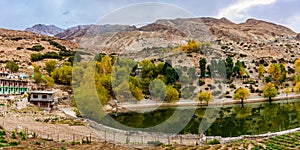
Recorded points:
(298,37)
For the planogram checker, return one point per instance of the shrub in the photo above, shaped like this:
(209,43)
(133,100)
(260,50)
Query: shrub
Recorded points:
(19,48)
(16,38)
(214,142)
(36,57)
(66,53)
(57,45)
(13,143)
(156,143)
(249,82)
(232,86)
(201,82)
(53,55)
(36,48)
(216,93)
(13,135)
(63,148)
(180,61)
(37,143)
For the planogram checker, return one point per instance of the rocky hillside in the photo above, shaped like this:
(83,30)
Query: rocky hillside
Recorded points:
(211,28)
(254,37)
(19,45)
(50,30)
(76,33)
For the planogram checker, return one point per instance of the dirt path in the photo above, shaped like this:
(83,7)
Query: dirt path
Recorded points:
(57,132)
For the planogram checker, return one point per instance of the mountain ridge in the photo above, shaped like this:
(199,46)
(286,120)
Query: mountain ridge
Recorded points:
(50,30)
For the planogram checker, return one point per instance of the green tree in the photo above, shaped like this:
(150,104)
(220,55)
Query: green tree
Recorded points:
(157,89)
(50,66)
(204,96)
(148,69)
(239,69)
(202,65)
(241,94)
(229,66)
(269,91)
(192,73)
(49,81)
(172,95)
(37,75)
(170,75)
(63,75)
(127,91)
(12,66)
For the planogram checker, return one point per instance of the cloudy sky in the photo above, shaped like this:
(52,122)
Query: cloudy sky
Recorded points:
(19,14)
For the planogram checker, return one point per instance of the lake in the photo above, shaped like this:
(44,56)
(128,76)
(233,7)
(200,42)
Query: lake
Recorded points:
(231,120)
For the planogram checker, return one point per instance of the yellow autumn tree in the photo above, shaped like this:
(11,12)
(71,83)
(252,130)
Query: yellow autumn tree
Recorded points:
(297,70)
(261,70)
(191,46)
(297,88)
(204,96)
(287,90)
(241,94)
(269,91)
(172,95)
(278,72)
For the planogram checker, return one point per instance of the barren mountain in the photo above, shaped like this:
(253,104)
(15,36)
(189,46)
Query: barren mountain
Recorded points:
(77,32)
(16,45)
(211,28)
(50,30)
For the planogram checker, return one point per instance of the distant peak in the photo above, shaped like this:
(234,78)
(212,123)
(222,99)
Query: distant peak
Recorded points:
(225,20)
(44,29)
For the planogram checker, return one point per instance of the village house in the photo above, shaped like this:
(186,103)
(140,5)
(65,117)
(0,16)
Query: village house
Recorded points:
(43,99)
(11,84)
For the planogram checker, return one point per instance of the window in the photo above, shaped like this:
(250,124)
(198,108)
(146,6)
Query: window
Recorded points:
(44,104)
(35,95)
(44,96)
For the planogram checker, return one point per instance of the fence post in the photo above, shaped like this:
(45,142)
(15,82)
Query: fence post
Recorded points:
(91,137)
(105,136)
(73,138)
(58,137)
(169,140)
(181,139)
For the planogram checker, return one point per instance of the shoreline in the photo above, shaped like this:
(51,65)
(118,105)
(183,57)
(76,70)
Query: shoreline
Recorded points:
(216,102)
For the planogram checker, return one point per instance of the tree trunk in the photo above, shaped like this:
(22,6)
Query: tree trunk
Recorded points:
(242,102)
(270,100)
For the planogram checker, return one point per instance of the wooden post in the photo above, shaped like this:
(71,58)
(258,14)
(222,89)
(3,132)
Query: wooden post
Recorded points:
(181,139)
(73,138)
(105,136)
(169,142)
(91,137)
(58,137)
